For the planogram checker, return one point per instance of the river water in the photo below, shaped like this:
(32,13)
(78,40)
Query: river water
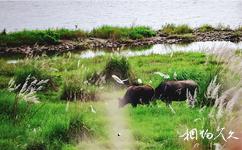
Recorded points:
(87,14)
(160,49)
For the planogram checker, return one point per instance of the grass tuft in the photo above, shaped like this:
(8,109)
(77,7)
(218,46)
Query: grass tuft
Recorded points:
(176,29)
(76,87)
(206,28)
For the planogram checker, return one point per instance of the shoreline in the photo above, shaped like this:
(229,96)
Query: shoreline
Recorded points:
(95,43)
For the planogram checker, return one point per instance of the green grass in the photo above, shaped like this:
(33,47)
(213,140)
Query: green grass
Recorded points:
(56,128)
(31,37)
(206,28)
(176,29)
(194,66)
(116,33)
(157,128)
(54,36)
(76,87)
(51,127)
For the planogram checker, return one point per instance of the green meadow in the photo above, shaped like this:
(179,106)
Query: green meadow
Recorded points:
(71,110)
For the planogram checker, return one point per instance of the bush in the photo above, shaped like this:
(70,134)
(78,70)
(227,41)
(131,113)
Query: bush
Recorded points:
(206,28)
(116,33)
(28,37)
(141,32)
(31,37)
(176,29)
(118,66)
(76,87)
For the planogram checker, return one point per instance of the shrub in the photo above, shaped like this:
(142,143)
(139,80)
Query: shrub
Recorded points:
(141,32)
(28,37)
(116,33)
(76,87)
(31,37)
(176,29)
(120,67)
(206,28)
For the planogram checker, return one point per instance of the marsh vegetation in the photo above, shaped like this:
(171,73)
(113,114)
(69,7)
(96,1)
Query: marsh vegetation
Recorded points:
(67,114)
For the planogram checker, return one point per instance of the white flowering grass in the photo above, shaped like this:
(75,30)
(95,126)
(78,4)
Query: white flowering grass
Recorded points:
(26,92)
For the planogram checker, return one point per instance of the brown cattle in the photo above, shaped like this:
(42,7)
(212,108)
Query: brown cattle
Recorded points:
(135,95)
(175,90)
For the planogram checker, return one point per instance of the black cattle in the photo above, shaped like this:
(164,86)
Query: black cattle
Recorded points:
(175,90)
(135,95)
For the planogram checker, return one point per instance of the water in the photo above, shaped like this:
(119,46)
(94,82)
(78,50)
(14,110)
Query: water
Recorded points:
(160,49)
(87,14)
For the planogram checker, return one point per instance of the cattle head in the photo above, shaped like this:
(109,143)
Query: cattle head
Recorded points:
(160,92)
(121,102)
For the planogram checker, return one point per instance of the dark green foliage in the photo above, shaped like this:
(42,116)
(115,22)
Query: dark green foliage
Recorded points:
(27,37)
(31,37)
(36,146)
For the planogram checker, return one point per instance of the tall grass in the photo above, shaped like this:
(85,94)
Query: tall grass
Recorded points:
(31,37)
(77,87)
(206,28)
(120,67)
(116,33)
(52,127)
(176,29)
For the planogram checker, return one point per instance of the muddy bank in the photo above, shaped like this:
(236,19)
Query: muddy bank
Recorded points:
(112,45)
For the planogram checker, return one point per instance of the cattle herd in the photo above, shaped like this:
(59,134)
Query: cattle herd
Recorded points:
(167,91)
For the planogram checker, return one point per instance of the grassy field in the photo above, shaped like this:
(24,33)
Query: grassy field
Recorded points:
(55,124)
(158,128)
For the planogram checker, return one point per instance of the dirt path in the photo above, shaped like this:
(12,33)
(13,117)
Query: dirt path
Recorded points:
(119,132)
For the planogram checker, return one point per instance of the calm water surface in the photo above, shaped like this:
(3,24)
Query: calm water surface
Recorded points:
(87,14)
(160,49)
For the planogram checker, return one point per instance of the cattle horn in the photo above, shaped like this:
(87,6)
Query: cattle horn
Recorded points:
(117,79)
(165,76)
